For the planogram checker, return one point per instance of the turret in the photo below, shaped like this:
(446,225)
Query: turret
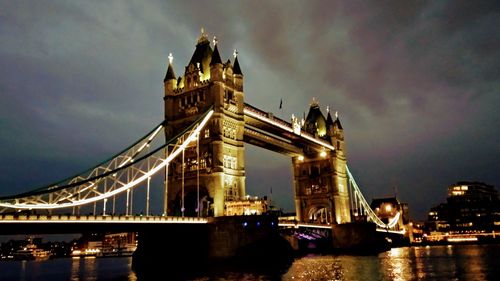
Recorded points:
(237,74)
(216,64)
(329,123)
(338,133)
(170,82)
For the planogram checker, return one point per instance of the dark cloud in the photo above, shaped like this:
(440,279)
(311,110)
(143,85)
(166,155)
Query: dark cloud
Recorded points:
(416,84)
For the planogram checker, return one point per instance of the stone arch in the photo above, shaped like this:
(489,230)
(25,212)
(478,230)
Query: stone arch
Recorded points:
(320,214)
(190,204)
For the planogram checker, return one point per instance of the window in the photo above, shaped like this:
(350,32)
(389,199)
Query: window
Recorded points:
(231,189)
(229,162)
(207,133)
(314,171)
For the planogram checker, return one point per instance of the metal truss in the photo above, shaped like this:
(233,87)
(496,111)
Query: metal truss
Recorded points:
(121,173)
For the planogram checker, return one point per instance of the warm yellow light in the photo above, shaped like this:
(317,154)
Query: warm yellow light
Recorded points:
(388,208)
(301,158)
(323,154)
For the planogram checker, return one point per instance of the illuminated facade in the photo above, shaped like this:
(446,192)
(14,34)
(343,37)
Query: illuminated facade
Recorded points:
(319,161)
(471,207)
(248,206)
(320,179)
(219,164)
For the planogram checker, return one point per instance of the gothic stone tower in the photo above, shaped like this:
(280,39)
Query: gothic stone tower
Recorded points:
(206,82)
(320,179)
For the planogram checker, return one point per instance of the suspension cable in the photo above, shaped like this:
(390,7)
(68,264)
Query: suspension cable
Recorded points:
(367,209)
(198,175)
(182,184)
(147,196)
(126,204)
(34,200)
(131,201)
(165,194)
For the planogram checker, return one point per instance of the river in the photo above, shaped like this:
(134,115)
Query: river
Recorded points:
(457,262)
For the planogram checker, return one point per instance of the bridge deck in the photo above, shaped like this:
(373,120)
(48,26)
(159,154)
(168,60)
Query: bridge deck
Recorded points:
(291,224)
(6,219)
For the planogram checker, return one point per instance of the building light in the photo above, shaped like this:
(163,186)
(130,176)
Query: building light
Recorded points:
(323,154)
(462,239)
(388,208)
(301,158)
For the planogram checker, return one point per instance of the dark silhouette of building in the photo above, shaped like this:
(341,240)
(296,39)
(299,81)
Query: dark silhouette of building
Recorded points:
(470,207)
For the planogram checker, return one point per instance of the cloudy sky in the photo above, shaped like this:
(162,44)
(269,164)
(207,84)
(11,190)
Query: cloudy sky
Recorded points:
(416,84)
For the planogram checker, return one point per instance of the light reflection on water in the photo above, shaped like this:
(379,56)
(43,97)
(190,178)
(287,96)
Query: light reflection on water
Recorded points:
(462,262)
(458,262)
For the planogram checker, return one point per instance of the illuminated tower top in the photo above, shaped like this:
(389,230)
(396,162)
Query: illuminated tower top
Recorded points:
(204,66)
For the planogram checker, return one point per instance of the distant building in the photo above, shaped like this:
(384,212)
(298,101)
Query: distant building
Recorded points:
(388,208)
(471,207)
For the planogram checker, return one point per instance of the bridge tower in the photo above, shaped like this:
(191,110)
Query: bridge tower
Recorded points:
(219,165)
(320,179)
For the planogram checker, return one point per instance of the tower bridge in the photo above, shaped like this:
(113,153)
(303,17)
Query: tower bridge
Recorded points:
(198,152)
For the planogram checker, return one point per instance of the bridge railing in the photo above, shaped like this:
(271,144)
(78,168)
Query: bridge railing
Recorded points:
(264,114)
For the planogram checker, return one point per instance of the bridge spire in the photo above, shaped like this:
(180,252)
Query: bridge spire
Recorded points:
(236,67)
(203,36)
(329,119)
(215,55)
(170,70)
(337,121)
(170,82)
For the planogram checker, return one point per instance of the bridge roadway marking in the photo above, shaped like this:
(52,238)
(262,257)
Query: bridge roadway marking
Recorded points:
(100,219)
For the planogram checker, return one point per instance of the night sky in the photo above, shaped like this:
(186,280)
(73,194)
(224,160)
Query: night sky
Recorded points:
(416,85)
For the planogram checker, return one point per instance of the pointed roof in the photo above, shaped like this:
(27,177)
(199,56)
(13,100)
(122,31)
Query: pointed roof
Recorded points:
(170,73)
(337,124)
(236,67)
(215,56)
(316,118)
(202,54)
(329,120)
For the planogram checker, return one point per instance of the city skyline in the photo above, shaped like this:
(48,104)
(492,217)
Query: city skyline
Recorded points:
(415,86)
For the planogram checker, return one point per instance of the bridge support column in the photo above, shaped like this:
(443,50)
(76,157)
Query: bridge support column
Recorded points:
(185,247)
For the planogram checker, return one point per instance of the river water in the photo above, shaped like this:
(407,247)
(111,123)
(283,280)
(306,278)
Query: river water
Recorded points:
(457,262)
